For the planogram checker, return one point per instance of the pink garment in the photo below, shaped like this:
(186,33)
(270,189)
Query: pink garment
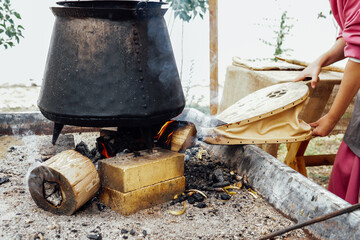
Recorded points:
(345,175)
(347,15)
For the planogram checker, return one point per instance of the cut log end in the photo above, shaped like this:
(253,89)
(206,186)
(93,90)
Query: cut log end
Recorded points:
(60,189)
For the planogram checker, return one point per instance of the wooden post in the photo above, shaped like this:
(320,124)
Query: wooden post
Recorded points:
(213,18)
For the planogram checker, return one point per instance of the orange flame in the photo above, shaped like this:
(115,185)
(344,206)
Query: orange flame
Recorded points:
(104,152)
(167,142)
(161,133)
(162,130)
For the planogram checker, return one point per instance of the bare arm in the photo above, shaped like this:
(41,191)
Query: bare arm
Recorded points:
(334,54)
(349,86)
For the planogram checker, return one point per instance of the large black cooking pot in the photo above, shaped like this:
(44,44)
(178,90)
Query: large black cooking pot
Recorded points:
(110,63)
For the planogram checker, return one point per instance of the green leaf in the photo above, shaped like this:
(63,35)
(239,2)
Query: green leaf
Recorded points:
(17,15)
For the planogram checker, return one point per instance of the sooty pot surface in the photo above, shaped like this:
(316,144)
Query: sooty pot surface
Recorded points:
(110,63)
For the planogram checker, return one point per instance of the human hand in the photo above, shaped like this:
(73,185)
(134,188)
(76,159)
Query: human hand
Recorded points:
(323,126)
(310,72)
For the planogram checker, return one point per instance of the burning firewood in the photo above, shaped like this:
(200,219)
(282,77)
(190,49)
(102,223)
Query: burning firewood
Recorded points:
(64,183)
(177,136)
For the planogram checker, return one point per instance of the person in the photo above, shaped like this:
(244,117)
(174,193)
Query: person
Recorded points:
(345,175)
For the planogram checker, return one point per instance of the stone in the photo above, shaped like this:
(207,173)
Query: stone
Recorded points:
(142,198)
(127,172)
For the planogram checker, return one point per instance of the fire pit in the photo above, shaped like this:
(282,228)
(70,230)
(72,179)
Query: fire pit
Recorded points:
(243,216)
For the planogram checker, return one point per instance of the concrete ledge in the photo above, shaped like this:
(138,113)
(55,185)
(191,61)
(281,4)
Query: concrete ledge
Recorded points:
(23,123)
(290,192)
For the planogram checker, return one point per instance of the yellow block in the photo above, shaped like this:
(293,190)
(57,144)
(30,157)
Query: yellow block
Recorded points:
(126,173)
(131,202)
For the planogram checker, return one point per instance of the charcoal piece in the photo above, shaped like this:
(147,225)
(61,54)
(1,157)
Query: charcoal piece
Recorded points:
(94,151)
(96,157)
(218,176)
(221,184)
(132,232)
(191,200)
(198,197)
(181,198)
(4,179)
(82,148)
(144,233)
(225,196)
(200,205)
(124,231)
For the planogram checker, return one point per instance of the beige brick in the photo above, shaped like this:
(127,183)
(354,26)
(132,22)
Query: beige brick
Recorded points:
(127,173)
(146,197)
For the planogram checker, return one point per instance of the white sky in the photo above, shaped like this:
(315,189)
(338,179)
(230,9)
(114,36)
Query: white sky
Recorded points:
(241,25)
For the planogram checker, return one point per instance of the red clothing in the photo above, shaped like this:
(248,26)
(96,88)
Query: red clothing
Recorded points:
(347,15)
(345,177)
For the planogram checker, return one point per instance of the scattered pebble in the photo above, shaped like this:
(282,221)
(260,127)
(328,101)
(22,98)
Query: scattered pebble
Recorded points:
(225,196)
(124,231)
(4,179)
(132,232)
(95,236)
(100,206)
(11,149)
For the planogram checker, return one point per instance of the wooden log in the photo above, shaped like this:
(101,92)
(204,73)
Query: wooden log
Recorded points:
(64,183)
(177,136)
(183,137)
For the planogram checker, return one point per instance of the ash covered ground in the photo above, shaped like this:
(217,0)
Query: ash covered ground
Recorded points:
(219,216)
